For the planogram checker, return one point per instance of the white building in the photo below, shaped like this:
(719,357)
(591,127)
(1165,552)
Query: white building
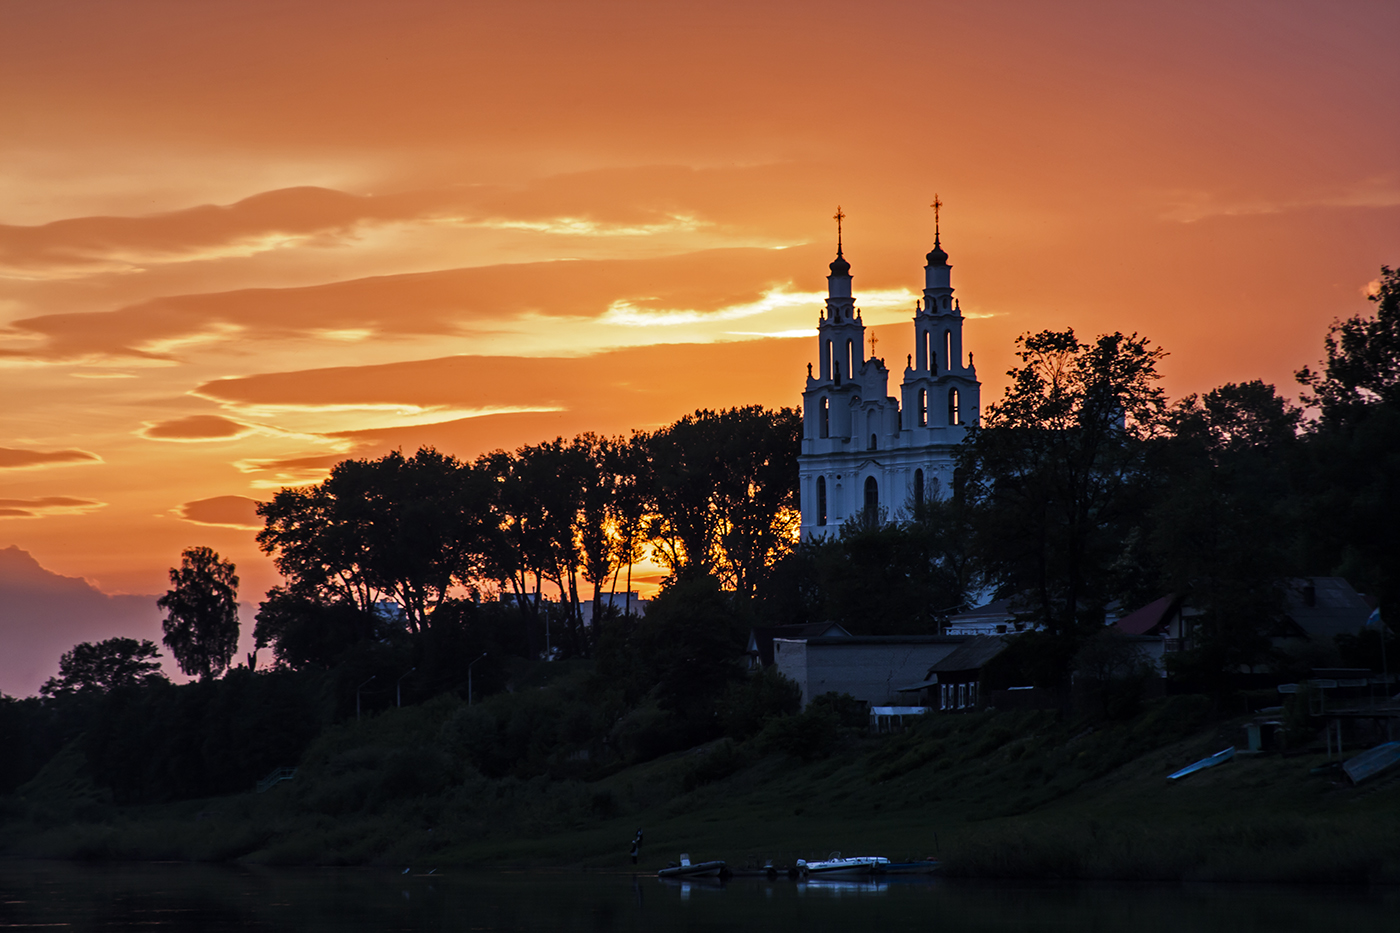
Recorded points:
(865,452)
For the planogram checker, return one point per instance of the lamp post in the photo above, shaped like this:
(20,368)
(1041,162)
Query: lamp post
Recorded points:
(398,692)
(469,679)
(357,697)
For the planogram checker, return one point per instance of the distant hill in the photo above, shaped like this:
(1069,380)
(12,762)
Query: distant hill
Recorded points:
(43,614)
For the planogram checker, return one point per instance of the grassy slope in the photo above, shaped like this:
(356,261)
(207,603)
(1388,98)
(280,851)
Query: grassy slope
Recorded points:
(994,794)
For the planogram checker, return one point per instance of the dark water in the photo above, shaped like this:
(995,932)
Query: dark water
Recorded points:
(57,896)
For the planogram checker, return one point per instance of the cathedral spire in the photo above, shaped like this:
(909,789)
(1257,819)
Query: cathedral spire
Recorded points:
(839,266)
(936,256)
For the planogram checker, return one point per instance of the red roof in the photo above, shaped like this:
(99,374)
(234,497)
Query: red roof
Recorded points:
(1143,621)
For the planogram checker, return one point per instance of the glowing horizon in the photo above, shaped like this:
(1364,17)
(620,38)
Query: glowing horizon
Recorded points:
(239,242)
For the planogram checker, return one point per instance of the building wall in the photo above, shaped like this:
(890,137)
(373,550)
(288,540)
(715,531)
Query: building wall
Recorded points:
(868,669)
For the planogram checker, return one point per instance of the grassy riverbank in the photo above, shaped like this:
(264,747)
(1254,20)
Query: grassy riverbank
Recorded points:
(1024,795)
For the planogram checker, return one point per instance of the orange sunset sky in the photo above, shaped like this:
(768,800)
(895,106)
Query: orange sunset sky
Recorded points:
(240,241)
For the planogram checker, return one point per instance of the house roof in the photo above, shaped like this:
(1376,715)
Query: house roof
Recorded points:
(998,610)
(889,640)
(1149,617)
(971,655)
(761,639)
(1332,609)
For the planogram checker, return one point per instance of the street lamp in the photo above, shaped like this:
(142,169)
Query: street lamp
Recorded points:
(357,697)
(398,692)
(469,679)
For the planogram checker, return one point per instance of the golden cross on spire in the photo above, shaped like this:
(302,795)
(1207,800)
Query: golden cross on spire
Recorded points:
(838,217)
(873,341)
(935,205)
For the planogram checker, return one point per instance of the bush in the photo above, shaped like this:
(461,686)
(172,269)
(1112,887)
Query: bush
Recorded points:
(747,706)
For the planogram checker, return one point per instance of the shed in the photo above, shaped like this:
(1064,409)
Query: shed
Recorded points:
(954,682)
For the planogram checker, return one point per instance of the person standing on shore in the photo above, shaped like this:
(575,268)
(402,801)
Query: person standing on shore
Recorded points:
(636,845)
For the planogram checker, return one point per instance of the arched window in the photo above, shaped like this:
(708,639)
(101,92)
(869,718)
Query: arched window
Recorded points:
(826,417)
(821,500)
(954,412)
(850,359)
(918,488)
(872,500)
(873,443)
(928,353)
(870,425)
(948,350)
(827,359)
(923,408)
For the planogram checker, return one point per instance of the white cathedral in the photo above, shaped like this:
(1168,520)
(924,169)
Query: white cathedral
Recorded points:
(866,453)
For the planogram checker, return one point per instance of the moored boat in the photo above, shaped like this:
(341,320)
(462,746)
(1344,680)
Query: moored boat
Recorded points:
(834,866)
(689,869)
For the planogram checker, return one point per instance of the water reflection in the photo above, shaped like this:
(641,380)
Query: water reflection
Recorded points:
(152,898)
(837,887)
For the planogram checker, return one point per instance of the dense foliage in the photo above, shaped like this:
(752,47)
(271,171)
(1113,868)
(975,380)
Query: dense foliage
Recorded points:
(1082,492)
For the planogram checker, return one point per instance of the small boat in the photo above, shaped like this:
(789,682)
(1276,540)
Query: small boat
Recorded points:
(1219,758)
(689,869)
(834,866)
(1369,764)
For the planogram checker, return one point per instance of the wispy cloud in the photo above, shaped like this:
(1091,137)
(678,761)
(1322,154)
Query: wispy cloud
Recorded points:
(12,458)
(47,505)
(196,428)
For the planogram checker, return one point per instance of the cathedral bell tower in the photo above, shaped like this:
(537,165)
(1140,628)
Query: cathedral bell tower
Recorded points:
(940,387)
(868,457)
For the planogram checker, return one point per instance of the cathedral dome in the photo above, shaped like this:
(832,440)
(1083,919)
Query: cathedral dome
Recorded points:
(840,266)
(936,256)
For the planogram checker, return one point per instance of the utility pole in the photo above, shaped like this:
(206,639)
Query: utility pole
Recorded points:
(469,679)
(357,697)
(398,691)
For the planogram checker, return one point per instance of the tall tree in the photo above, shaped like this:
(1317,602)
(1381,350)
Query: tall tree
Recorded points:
(1218,529)
(1351,502)
(724,493)
(407,529)
(105,665)
(1363,358)
(201,624)
(1054,472)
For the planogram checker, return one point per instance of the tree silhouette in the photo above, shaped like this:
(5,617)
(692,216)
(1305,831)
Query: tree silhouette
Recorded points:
(1054,471)
(201,625)
(115,662)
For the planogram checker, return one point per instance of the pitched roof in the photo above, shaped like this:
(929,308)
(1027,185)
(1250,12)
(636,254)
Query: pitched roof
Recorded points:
(1149,617)
(971,655)
(998,610)
(1333,608)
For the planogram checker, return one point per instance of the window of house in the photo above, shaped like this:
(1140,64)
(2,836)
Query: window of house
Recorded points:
(826,417)
(948,349)
(954,407)
(872,500)
(923,408)
(821,500)
(918,487)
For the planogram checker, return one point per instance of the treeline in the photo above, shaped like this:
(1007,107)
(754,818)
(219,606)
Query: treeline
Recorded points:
(1087,491)
(1083,492)
(712,494)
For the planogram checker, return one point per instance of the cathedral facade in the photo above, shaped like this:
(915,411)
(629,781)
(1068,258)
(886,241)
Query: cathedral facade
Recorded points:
(866,454)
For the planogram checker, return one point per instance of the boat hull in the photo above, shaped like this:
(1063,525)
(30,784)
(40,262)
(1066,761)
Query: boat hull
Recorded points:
(700,870)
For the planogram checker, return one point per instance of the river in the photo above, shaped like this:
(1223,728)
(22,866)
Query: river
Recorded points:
(116,898)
